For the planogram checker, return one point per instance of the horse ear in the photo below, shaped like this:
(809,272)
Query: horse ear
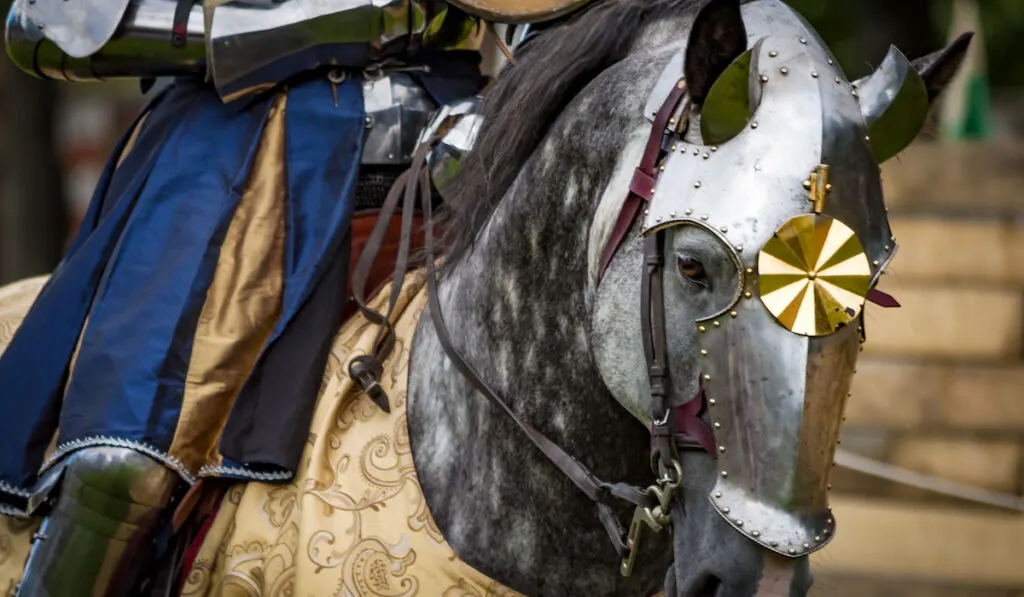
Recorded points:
(895,98)
(718,38)
(939,68)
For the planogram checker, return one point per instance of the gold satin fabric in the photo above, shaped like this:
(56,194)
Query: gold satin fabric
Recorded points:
(15,301)
(354,521)
(130,144)
(243,302)
(15,534)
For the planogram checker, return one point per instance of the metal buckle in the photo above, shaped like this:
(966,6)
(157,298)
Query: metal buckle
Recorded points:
(657,518)
(366,371)
(664,420)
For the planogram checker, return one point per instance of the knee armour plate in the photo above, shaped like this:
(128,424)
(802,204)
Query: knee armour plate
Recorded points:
(110,504)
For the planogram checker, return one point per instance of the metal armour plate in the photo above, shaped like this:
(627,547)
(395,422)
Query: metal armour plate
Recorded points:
(78,27)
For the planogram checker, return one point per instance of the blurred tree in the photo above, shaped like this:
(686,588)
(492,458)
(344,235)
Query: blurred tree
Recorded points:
(860,32)
(1003,25)
(33,221)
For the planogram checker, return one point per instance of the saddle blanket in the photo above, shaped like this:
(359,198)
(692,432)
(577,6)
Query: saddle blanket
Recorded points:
(353,522)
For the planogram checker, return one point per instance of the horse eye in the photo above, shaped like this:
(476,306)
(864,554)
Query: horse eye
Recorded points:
(692,270)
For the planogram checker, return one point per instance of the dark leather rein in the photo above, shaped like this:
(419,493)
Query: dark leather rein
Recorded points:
(673,428)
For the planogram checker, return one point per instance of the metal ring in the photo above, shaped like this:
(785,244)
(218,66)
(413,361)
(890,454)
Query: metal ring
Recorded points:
(337,76)
(664,473)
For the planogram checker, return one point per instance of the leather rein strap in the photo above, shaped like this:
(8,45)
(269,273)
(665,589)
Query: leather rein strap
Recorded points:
(598,491)
(671,427)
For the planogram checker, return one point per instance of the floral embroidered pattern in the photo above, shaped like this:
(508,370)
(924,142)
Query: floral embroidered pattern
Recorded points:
(353,522)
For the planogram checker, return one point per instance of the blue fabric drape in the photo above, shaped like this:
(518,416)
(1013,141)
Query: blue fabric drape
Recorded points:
(135,280)
(131,288)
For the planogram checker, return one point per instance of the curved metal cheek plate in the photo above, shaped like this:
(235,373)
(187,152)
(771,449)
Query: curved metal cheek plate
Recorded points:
(776,403)
(78,27)
(663,86)
(814,276)
(894,102)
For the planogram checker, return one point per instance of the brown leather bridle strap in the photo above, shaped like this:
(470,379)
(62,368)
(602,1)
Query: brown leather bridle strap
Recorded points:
(652,321)
(680,426)
(652,325)
(641,188)
(367,369)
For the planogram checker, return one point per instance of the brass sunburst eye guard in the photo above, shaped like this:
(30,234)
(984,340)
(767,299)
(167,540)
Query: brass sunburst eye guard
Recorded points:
(814,275)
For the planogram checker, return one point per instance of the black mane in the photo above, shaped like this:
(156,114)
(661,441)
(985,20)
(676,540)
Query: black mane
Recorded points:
(526,98)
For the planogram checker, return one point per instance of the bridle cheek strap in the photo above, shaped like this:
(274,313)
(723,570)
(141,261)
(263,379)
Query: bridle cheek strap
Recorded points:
(645,177)
(682,425)
(679,426)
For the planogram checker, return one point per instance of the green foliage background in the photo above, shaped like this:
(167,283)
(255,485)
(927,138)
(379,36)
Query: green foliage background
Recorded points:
(860,31)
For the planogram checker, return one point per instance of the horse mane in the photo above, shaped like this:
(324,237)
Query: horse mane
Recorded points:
(524,101)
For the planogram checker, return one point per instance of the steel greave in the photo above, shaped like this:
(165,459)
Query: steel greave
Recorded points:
(95,540)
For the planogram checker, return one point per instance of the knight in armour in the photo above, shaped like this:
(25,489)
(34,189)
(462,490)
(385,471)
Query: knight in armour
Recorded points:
(182,339)
(721,265)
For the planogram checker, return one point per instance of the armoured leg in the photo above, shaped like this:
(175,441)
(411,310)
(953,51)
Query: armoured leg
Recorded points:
(102,527)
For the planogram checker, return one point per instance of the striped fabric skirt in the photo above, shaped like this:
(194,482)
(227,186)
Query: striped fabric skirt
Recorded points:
(193,315)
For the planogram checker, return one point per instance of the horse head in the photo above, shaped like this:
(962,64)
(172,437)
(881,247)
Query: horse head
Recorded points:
(666,236)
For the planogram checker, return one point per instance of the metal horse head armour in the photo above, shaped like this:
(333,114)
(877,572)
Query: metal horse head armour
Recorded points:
(785,173)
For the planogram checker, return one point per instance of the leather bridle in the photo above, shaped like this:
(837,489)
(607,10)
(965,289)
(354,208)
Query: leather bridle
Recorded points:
(672,429)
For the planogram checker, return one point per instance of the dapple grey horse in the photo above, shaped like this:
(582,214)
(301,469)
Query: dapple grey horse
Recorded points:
(526,301)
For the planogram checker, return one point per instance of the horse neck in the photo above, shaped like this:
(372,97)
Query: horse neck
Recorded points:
(518,306)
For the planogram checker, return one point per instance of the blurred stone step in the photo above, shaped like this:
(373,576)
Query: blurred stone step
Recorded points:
(934,544)
(989,463)
(969,178)
(992,465)
(917,395)
(988,251)
(947,323)
(827,584)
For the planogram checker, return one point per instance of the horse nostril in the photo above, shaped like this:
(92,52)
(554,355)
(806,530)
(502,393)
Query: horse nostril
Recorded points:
(709,586)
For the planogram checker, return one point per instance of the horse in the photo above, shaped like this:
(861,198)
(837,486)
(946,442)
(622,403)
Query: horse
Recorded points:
(523,294)
(597,326)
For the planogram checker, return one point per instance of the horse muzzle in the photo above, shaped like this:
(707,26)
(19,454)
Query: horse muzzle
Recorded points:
(775,400)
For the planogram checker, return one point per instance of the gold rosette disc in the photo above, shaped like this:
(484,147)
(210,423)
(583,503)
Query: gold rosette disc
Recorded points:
(814,275)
